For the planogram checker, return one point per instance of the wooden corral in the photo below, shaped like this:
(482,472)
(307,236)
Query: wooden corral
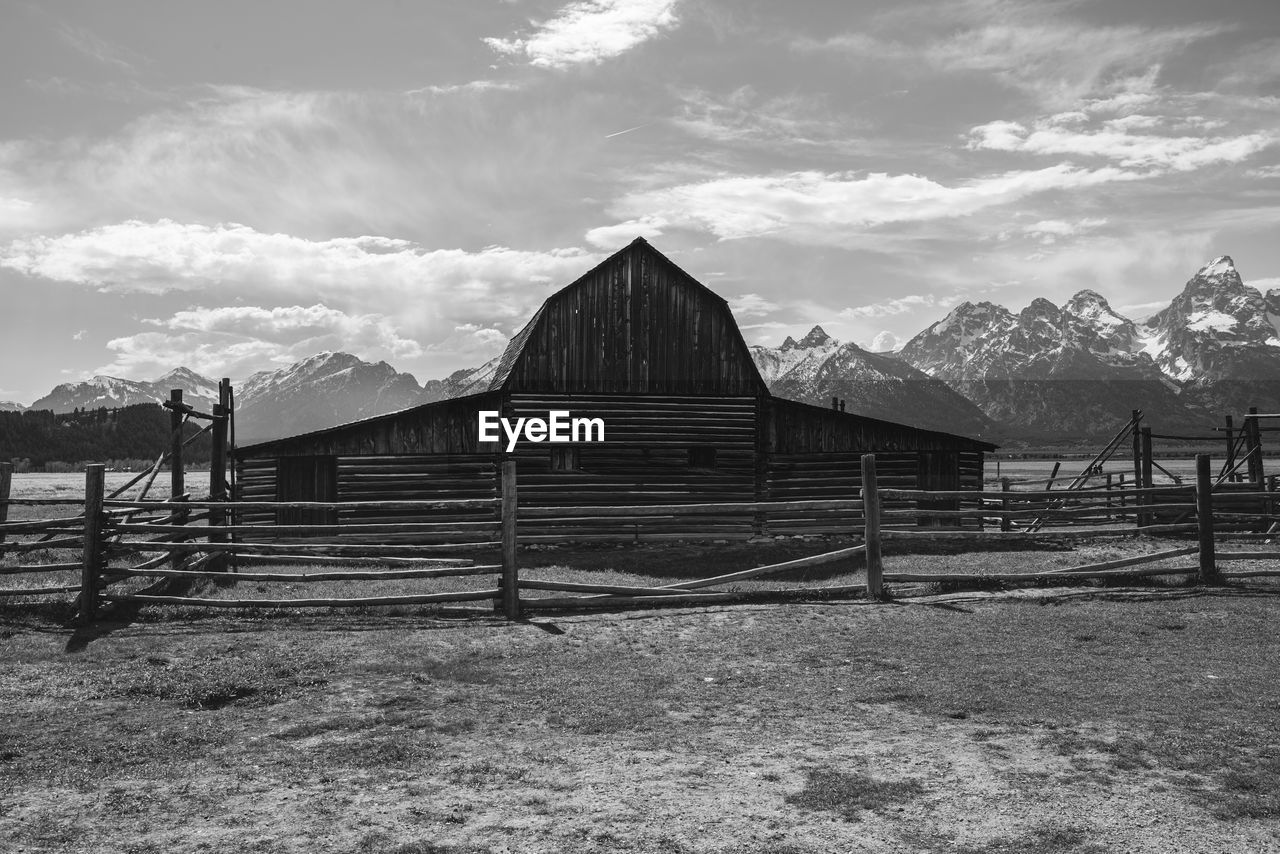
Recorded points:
(641,345)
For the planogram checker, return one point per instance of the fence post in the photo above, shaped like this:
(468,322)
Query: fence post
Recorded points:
(871,521)
(91,562)
(1145,502)
(6,482)
(177,473)
(1253,445)
(218,477)
(1006,524)
(510,574)
(1204,517)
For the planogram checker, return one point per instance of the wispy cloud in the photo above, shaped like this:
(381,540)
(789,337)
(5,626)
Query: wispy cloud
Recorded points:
(1034,48)
(617,236)
(590,31)
(826,208)
(1115,141)
(751,305)
(92,45)
(899,305)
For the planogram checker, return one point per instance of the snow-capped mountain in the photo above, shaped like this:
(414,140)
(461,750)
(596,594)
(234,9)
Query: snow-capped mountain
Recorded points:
(1220,338)
(320,391)
(11,406)
(114,392)
(462,382)
(818,367)
(1081,368)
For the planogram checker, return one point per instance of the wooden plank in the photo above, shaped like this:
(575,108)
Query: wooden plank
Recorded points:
(338,549)
(303,577)
(978,578)
(94,519)
(510,583)
(24,569)
(465,503)
(1128,561)
(40,591)
(362,602)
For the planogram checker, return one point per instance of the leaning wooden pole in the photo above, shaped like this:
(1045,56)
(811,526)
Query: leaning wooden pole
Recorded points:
(871,523)
(91,562)
(510,574)
(1204,519)
(218,475)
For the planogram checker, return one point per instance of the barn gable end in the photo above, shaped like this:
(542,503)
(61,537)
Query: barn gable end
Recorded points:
(636,324)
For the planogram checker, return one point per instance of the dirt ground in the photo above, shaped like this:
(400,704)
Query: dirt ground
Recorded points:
(1035,721)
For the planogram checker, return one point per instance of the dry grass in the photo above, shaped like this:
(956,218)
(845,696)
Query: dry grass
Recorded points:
(1049,725)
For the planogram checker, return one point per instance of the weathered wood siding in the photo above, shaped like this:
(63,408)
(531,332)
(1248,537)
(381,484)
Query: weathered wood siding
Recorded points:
(801,428)
(443,427)
(645,459)
(635,324)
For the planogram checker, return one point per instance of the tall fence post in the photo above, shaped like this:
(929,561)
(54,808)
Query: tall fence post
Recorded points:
(91,563)
(1204,518)
(871,521)
(510,573)
(1253,446)
(218,477)
(6,483)
(177,472)
(1146,502)
(1006,524)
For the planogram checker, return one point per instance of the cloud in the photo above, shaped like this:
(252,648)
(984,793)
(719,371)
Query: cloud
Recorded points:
(90,44)
(472,87)
(588,32)
(900,305)
(237,340)
(884,342)
(751,305)
(1114,141)
(744,117)
(1268,283)
(428,292)
(830,208)
(617,236)
(1048,231)
(1033,48)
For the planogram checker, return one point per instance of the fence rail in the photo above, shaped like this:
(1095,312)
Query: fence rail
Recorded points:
(180,541)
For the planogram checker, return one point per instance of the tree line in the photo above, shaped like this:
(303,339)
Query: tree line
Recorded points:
(128,437)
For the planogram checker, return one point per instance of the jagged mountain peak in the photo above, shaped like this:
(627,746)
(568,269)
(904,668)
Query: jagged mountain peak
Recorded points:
(816,337)
(788,344)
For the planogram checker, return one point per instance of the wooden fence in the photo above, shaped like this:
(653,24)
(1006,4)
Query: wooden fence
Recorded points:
(143,552)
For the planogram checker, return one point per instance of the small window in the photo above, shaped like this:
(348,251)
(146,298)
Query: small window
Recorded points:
(564,459)
(702,458)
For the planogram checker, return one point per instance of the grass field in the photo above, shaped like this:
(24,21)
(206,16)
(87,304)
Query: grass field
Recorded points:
(1060,722)
(1036,721)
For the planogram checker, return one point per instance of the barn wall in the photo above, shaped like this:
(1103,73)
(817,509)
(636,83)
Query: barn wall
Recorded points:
(444,427)
(634,324)
(801,428)
(644,460)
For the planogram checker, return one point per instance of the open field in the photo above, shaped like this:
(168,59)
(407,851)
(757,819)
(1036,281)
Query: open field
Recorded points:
(1041,720)
(1078,722)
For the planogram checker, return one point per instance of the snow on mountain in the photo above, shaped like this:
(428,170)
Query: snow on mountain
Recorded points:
(114,392)
(1074,370)
(11,406)
(1220,340)
(320,391)
(818,367)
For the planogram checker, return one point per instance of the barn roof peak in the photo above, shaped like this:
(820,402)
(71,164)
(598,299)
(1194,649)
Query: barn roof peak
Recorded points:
(638,245)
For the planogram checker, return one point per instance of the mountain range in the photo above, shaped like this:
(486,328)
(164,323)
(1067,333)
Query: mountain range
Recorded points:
(1045,372)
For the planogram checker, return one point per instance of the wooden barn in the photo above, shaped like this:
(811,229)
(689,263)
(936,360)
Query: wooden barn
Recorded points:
(654,354)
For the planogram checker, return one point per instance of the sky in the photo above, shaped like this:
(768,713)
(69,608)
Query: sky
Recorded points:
(233,186)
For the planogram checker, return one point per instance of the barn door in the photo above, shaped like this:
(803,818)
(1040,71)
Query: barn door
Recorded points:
(939,471)
(306,479)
